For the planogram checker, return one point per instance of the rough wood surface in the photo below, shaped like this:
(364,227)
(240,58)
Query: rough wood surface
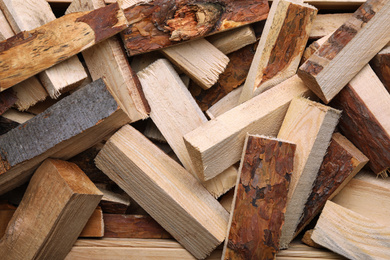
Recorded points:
(326,24)
(348,50)
(366,95)
(170,194)
(260,199)
(381,65)
(341,163)
(363,239)
(310,126)
(299,251)
(17,116)
(7,100)
(67,128)
(55,42)
(56,206)
(114,202)
(6,125)
(313,47)
(161,23)
(218,144)
(285,33)
(5,29)
(306,239)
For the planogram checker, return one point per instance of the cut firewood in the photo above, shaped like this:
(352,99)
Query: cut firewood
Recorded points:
(156,24)
(227,199)
(299,251)
(260,199)
(141,61)
(56,206)
(7,100)
(113,202)
(175,113)
(312,48)
(285,33)
(170,194)
(351,234)
(152,132)
(225,104)
(67,128)
(29,53)
(217,144)
(95,225)
(200,60)
(133,226)
(310,126)
(26,15)
(348,50)
(341,163)
(17,116)
(366,95)
(326,24)
(5,29)
(381,65)
(306,239)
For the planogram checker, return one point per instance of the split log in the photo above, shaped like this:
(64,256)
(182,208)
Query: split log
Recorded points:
(158,24)
(366,95)
(326,24)
(285,33)
(29,53)
(260,199)
(7,100)
(363,239)
(95,225)
(56,206)
(113,202)
(165,190)
(26,15)
(310,126)
(341,163)
(218,144)
(348,50)
(381,65)
(67,128)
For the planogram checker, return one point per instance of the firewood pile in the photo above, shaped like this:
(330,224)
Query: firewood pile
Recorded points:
(151,129)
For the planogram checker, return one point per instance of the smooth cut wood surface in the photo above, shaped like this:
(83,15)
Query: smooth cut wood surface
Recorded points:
(381,65)
(348,50)
(70,126)
(56,206)
(217,144)
(310,126)
(260,199)
(285,33)
(326,24)
(161,23)
(170,194)
(363,239)
(29,53)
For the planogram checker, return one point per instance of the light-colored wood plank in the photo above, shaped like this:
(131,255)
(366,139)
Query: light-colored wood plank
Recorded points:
(348,50)
(381,65)
(5,29)
(299,251)
(17,116)
(310,126)
(165,190)
(56,206)
(326,24)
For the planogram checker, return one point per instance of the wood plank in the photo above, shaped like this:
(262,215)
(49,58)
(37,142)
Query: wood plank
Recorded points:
(53,133)
(341,163)
(363,239)
(326,24)
(198,59)
(17,116)
(5,29)
(27,15)
(366,95)
(313,47)
(381,65)
(291,22)
(348,50)
(217,144)
(95,225)
(155,24)
(165,190)
(260,199)
(56,206)
(299,251)
(310,126)
(17,52)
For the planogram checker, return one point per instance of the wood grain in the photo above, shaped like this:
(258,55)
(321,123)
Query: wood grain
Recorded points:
(326,24)
(381,65)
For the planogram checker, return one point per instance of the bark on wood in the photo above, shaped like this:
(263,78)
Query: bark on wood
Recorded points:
(28,53)
(56,206)
(225,104)
(381,65)
(165,190)
(67,128)
(7,100)
(312,48)
(341,163)
(160,23)
(260,199)
(348,50)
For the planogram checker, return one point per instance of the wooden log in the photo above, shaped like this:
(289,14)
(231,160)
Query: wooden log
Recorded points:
(165,190)
(363,239)
(158,24)
(366,95)
(53,44)
(28,15)
(285,33)
(7,100)
(326,24)
(56,206)
(348,50)
(113,202)
(260,199)
(133,226)
(198,59)
(310,126)
(67,128)
(225,104)
(5,29)
(217,144)
(381,65)
(341,163)
(175,113)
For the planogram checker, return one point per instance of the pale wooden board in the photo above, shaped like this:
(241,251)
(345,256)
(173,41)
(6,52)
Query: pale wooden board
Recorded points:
(17,116)
(326,24)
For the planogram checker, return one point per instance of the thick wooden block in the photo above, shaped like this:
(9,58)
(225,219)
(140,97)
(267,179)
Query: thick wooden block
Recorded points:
(326,24)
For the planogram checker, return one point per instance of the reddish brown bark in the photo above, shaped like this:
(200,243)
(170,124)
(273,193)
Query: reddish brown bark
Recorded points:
(381,66)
